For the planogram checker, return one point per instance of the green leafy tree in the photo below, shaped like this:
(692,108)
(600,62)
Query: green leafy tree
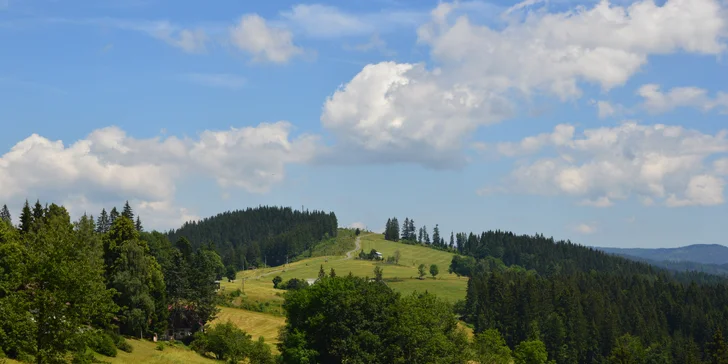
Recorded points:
(628,350)
(230,273)
(226,341)
(434,270)
(530,352)
(397,256)
(421,270)
(276,281)
(490,348)
(378,272)
(364,322)
(64,286)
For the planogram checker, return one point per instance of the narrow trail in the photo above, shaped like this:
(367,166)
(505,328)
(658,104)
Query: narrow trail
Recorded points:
(357,247)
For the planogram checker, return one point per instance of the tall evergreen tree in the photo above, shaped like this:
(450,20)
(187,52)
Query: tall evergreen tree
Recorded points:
(113,215)
(411,230)
(436,235)
(395,229)
(388,230)
(405,229)
(138,224)
(103,223)
(127,211)
(26,218)
(718,349)
(5,215)
(452,240)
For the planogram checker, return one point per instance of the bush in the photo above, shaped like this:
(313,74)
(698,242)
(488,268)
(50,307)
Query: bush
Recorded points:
(293,284)
(226,341)
(103,344)
(125,346)
(160,346)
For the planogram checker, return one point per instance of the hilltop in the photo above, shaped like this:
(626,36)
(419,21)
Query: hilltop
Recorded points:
(698,253)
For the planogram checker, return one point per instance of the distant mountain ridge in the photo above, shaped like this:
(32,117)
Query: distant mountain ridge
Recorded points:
(697,253)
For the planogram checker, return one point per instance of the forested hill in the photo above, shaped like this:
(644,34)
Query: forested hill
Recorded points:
(256,235)
(698,253)
(683,265)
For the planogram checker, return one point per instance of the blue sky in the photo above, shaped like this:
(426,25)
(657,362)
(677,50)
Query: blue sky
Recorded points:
(598,122)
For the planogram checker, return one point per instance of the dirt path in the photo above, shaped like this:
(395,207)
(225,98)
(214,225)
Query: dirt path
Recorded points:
(357,247)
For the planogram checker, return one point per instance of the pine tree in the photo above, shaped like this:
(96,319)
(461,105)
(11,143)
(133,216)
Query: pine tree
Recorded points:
(127,211)
(38,213)
(103,223)
(321,273)
(411,230)
(421,237)
(405,229)
(436,235)
(395,229)
(718,350)
(388,230)
(139,224)
(452,240)
(5,215)
(26,218)
(113,215)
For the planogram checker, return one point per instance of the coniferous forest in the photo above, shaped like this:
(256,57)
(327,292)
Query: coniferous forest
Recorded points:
(257,236)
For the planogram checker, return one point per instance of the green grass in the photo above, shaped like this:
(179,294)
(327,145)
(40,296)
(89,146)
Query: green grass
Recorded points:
(146,352)
(254,323)
(342,243)
(259,286)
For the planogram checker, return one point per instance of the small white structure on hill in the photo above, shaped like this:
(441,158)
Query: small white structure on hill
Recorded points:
(379,256)
(311,281)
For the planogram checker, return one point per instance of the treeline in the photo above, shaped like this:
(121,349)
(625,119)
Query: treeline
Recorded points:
(585,304)
(67,286)
(262,235)
(409,234)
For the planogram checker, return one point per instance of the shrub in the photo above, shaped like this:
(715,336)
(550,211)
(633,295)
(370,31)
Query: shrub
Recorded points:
(103,344)
(160,346)
(226,341)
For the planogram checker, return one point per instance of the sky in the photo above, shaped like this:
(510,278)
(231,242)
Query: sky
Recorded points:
(599,122)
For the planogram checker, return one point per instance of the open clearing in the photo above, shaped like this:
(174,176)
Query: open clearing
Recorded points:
(403,276)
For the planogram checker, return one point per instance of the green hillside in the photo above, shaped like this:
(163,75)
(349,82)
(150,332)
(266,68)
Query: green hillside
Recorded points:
(402,277)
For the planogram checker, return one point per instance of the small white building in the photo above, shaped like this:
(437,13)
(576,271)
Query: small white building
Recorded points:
(379,256)
(311,281)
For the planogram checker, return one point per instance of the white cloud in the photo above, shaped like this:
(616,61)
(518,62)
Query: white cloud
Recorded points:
(266,43)
(651,162)
(605,44)
(357,225)
(720,166)
(585,229)
(220,80)
(656,101)
(404,112)
(108,165)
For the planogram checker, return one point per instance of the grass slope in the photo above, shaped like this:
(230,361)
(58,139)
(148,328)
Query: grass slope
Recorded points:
(259,286)
(403,278)
(146,352)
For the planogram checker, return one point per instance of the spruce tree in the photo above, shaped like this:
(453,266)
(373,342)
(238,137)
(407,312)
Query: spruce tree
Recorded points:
(395,229)
(436,235)
(127,211)
(103,223)
(5,215)
(452,240)
(139,224)
(113,215)
(405,229)
(38,213)
(26,218)
(388,230)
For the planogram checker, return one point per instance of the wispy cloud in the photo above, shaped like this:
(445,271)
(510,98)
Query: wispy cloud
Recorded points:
(323,21)
(219,80)
(374,43)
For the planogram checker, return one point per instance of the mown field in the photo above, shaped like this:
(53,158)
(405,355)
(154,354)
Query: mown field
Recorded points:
(401,277)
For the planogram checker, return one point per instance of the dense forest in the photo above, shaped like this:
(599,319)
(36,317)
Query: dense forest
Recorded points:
(257,236)
(585,305)
(67,286)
